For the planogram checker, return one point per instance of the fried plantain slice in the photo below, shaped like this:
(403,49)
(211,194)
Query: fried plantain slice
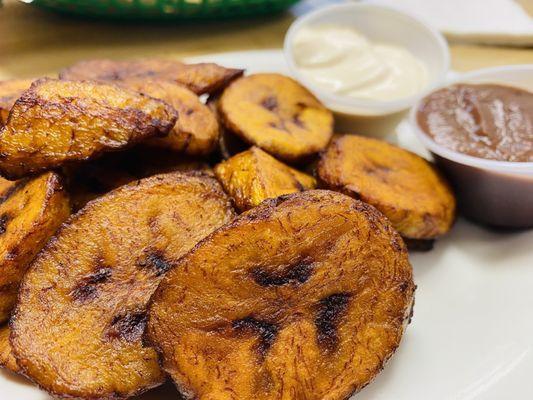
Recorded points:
(7,359)
(197,130)
(10,91)
(55,122)
(303,297)
(277,114)
(31,210)
(76,330)
(253,176)
(201,78)
(88,181)
(400,184)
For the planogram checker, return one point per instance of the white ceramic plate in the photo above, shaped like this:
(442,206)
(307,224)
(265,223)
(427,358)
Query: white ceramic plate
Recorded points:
(471,336)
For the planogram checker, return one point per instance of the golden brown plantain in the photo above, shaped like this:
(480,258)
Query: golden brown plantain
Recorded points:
(253,176)
(55,122)
(197,130)
(200,78)
(303,297)
(403,186)
(7,359)
(93,179)
(31,210)
(10,91)
(277,114)
(76,330)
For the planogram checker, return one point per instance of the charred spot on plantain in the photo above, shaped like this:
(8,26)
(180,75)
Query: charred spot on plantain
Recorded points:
(87,289)
(129,326)
(295,274)
(298,122)
(298,184)
(329,313)
(13,189)
(379,171)
(4,219)
(270,103)
(403,287)
(266,332)
(155,261)
(279,125)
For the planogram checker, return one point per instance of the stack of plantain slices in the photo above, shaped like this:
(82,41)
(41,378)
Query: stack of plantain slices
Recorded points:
(185,221)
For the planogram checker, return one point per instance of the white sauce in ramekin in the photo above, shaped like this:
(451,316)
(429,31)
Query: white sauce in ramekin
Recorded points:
(343,61)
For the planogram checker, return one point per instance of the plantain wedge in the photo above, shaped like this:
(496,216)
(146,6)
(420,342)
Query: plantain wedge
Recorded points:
(304,297)
(277,114)
(55,122)
(197,130)
(7,359)
(403,186)
(77,328)
(201,78)
(253,176)
(31,210)
(10,91)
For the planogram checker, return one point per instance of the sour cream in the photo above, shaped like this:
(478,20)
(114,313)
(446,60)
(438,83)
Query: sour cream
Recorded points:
(343,61)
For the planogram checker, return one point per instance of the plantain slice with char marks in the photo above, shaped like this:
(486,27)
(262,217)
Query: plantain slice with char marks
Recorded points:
(402,185)
(10,91)
(77,328)
(197,130)
(303,297)
(55,122)
(201,78)
(277,114)
(253,176)
(31,210)
(7,359)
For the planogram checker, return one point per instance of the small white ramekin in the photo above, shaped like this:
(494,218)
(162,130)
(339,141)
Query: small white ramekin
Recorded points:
(379,24)
(497,193)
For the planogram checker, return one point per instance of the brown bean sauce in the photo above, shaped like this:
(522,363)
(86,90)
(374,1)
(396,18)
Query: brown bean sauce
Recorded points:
(488,121)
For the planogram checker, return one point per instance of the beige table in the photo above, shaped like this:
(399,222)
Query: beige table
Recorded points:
(35,42)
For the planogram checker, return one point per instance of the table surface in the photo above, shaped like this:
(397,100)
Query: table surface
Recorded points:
(36,41)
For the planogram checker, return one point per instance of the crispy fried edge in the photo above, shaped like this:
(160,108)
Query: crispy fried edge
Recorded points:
(27,95)
(212,88)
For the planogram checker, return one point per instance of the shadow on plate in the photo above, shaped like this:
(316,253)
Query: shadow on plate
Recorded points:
(498,247)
